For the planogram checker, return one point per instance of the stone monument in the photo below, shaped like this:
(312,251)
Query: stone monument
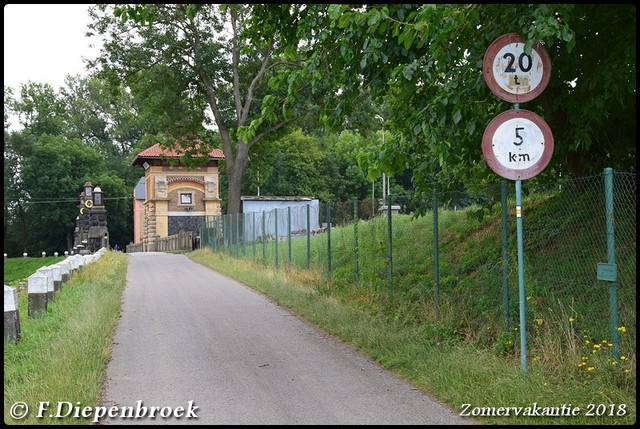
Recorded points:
(91,232)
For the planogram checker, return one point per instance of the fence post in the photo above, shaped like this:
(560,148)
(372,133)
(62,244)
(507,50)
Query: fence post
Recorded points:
(215,234)
(329,240)
(390,241)
(264,238)
(11,316)
(611,253)
(253,241)
(244,233)
(289,231)
(505,257)
(224,234)
(237,247)
(355,241)
(436,255)
(276,215)
(308,236)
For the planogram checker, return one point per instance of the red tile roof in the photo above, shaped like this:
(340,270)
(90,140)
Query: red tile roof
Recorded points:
(157,151)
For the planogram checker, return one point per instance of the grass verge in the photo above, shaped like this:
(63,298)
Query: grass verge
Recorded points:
(16,269)
(62,355)
(455,373)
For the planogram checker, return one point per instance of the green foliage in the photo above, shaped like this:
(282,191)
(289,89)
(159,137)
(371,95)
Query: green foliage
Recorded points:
(85,131)
(199,64)
(52,178)
(425,63)
(319,166)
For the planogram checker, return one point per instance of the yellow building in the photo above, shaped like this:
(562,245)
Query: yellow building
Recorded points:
(175,197)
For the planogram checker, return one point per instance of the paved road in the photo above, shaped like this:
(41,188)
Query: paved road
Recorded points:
(188,333)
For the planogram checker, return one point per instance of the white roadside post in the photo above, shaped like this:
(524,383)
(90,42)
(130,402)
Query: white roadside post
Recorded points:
(11,317)
(37,291)
(57,277)
(50,284)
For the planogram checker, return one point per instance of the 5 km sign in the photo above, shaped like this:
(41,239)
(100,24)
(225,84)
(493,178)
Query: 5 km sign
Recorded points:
(517,144)
(512,74)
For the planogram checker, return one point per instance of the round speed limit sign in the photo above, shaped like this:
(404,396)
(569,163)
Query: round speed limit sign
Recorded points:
(517,144)
(511,73)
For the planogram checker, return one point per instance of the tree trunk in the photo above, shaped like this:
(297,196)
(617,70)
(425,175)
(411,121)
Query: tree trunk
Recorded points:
(235,173)
(233,192)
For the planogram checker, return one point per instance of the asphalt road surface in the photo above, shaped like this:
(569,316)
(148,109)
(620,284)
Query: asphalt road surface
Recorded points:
(195,347)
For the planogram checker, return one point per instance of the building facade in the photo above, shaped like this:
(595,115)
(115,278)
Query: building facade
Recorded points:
(173,197)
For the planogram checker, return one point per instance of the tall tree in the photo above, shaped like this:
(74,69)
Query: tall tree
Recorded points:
(183,56)
(426,63)
(89,123)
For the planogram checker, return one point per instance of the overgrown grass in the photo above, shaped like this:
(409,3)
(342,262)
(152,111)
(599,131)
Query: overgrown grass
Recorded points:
(62,355)
(16,269)
(459,350)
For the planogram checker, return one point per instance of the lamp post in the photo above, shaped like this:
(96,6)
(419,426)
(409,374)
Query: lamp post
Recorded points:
(258,174)
(97,196)
(88,188)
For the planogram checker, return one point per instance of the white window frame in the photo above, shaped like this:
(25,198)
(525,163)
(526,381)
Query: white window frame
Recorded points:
(181,195)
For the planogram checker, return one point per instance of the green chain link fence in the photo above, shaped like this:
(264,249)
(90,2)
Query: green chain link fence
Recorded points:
(448,252)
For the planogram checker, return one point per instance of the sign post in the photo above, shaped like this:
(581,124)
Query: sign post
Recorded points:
(517,144)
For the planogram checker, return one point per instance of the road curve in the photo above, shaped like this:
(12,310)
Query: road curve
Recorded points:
(192,342)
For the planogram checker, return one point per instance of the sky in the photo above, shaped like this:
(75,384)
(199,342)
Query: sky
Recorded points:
(45,42)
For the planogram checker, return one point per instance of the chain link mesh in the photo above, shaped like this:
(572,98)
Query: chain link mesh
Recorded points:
(445,257)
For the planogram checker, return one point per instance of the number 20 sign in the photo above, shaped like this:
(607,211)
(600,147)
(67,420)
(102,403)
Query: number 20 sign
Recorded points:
(511,73)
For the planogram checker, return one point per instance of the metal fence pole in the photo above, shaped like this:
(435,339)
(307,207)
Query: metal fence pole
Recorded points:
(329,241)
(242,236)
(264,238)
(356,267)
(611,254)
(224,234)
(436,261)
(308,236)
(276,210)
(390,241)
(237,246)
(216,236)
(289,231)
(253,241)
